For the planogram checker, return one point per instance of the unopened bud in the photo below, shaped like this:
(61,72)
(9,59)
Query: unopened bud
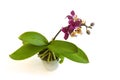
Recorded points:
(92,24)
(88,32)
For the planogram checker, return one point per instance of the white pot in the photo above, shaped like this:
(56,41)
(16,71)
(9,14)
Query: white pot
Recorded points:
(50,66)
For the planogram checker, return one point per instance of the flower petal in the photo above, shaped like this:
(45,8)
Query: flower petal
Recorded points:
(69,17)
(77,23)
(65,29)
(72,13)
(71,22)
(73,34)
(66,36)
(78,30)
(71,29)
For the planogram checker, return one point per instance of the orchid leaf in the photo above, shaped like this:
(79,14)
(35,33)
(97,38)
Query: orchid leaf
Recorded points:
(61,59)
(26,51)
(33,38)
(80,56)
(61,47)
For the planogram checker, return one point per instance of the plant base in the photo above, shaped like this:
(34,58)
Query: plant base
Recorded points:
(50,66)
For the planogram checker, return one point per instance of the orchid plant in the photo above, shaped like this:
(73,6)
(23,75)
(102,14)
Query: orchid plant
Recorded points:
(36,43)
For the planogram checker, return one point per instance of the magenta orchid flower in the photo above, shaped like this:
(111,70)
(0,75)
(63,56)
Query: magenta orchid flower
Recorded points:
(73,23)
(74,26)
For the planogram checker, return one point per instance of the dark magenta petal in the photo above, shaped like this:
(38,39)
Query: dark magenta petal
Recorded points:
(66,32)
(71,22)
(71,28)
(69,17)
(77,23)
(65,29)
(80,22)
(72,13)
(66,36)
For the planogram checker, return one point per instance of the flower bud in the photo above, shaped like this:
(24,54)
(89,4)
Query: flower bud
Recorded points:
(88,32)
(92,24)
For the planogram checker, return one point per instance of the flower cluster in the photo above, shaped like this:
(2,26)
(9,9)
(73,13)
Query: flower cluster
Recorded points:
(74,26)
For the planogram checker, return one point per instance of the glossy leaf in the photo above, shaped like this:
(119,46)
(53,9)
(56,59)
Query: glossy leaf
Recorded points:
(80,56)
(26,51)
(61,47)
(33,38)
(61,59)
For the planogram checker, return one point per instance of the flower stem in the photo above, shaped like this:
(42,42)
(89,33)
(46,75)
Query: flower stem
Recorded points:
(56,35)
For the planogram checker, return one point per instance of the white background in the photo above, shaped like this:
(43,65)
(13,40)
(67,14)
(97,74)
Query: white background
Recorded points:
(47,17)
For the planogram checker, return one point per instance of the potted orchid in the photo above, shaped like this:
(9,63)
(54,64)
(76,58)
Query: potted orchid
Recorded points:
(56,50)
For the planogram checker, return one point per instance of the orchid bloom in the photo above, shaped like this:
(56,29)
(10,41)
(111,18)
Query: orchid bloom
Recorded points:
(74,24)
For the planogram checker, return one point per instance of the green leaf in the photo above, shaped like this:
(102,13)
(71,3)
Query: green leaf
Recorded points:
(26,51)
(33,38)
(61,47)
(61,59)
(80,56)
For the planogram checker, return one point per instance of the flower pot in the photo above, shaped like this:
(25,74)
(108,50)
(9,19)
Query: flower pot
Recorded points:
(49,59)
(50,66)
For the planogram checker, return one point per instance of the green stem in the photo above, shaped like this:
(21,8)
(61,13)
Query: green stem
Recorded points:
(56,35)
